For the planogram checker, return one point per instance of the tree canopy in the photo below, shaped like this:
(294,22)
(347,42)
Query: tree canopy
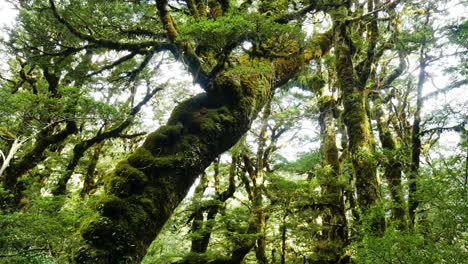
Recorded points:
(234,131)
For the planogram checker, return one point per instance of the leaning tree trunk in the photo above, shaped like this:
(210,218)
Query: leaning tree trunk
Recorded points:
(143,190)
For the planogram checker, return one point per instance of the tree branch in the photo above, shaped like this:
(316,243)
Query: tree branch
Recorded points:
(116,45)
(448,88)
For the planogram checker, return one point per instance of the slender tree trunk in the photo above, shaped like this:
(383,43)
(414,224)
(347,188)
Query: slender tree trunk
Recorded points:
(89,181)
(416,141)
(361,145)
(258,183)
(197,222)
(283,239)
(393,167)
(334,218)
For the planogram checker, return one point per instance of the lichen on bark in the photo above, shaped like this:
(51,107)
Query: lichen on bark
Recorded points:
(361,145)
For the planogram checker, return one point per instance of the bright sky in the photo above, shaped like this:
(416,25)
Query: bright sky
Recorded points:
(7,13)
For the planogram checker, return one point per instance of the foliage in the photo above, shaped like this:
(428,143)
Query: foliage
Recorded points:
(321,97)
(42,232)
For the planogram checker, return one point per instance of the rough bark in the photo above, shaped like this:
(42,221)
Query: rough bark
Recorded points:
(88,182)
(359,132)
(334,218)
(393,167)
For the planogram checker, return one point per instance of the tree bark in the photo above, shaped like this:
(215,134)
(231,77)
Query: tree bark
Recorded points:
(392,166)
(416,141)
(361,144)
(334,219)
(88,182)
(142,192)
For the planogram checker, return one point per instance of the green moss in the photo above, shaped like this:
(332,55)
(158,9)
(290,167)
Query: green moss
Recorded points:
(148,205)
(167,161)
(164,136)
(113,207)
(125,180)
(213,120)
(326,102)
(97,228)
(357,122)
(141,159)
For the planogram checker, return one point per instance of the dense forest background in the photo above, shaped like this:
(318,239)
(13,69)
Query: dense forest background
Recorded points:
(234,131)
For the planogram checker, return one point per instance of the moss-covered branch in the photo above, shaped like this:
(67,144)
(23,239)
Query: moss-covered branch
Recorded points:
(44,140)
(143,190)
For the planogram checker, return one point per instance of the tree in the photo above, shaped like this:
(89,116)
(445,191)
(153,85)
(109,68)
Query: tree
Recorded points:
(239,53)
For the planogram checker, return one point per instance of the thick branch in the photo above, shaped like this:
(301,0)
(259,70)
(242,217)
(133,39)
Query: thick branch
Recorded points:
(36,155)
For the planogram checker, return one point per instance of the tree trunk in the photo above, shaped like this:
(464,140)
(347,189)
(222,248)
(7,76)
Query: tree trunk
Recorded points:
(416,141)
(207,226)
(393,167)
(361,144)
(143,190)
(197,245)
(283,240)
(334,218)
(89,181)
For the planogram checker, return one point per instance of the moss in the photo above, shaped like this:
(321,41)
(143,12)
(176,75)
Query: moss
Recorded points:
(148,205)
(326,102)
(141,159)
(213,120)
(357,122)
(167,161)
(97,228)
(163,137)
(125,180)
(108,241)
(113,207)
